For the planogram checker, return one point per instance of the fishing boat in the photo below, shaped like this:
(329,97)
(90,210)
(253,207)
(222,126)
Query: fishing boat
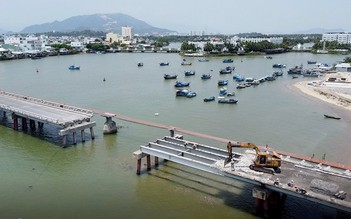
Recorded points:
(227,101)
(164,64)
(311,62)
(223,91)
(73,67)
(295,70)
(279,66)
(228,61)
(222,82)
(181,84)
(184,62)
(189,73)
(205,77)
(240,86)
(167,76)
(208,99)
(185,93)
(331,117)
(204,60)
(140,64)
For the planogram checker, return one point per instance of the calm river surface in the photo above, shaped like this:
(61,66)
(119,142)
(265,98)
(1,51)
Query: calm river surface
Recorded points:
(96,179)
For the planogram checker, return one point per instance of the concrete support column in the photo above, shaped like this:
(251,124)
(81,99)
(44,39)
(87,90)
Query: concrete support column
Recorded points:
(74,138)
(15,122)
(92,133)
(4,114)
(148,162)
(32,124)
(24,124)
(64,139)
(138,166)
(40,125)
(156,161)
(110,126)
(171,132)
(82,134)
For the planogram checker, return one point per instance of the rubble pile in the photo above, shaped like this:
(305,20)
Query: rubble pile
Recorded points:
(324,187)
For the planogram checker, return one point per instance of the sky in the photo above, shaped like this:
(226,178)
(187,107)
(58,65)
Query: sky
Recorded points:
(185,16)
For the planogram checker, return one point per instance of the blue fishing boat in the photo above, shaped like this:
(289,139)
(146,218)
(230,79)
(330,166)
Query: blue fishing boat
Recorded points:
(222,82)
(189,73)
(223,91)
(73,67)
(164,64)
(228,61)
(205,77)
(185,93)
(181,84)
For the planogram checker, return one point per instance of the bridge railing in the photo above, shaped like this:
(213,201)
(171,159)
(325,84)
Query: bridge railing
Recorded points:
(87,112)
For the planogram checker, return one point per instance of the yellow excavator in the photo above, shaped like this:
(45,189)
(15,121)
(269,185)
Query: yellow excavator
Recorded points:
(265,160)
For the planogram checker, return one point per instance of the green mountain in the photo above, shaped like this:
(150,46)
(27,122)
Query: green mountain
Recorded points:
(97,22)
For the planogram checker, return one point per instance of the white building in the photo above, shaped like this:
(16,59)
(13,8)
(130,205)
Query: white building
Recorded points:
(343,67)
(340,37)
(27,43)
(275,40)
(113,37)
(127,33)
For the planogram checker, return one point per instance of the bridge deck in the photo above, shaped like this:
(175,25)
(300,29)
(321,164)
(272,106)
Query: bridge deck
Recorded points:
(320,181)
(70,118)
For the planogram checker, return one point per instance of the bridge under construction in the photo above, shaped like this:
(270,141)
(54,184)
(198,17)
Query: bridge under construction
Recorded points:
(306,179)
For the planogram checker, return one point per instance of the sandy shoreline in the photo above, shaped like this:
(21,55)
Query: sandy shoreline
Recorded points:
(336,93)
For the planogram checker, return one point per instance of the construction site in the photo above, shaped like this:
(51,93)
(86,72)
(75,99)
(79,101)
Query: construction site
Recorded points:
(274,176)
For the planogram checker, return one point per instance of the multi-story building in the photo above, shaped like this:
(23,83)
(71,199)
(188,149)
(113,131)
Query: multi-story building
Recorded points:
(127,33)
(340,37)
(27,43)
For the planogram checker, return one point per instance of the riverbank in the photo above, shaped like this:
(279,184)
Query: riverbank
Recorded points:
(334,92)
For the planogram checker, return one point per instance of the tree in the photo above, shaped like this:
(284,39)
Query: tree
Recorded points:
(188,47)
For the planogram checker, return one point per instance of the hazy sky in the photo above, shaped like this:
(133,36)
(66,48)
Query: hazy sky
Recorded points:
(222,16)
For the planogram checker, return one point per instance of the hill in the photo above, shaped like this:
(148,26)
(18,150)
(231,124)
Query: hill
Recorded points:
(97,22)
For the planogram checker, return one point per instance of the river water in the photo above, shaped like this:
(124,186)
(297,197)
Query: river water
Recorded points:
(96,179)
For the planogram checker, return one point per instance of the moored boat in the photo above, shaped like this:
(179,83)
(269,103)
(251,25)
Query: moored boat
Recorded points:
(311,62)
(185,93)
(73,67)
(164,63)
(168,76)
(228,61)
(295,70)
(182,84)
(189,73)
(222,82)
(204,60)
(208,99)
(279,66)
(205,77)
(223,91)
(227,101)
(184,62)
(331,117)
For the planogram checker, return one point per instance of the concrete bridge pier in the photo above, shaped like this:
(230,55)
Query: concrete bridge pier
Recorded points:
(82,134)
(15,121)
(110,126)
(24,124)
(32,124)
